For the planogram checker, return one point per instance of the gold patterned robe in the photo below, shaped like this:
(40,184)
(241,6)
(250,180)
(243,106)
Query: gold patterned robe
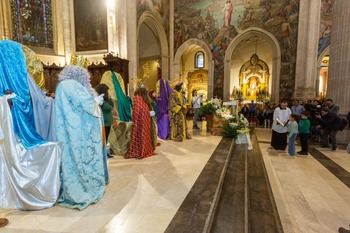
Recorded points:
(177,115)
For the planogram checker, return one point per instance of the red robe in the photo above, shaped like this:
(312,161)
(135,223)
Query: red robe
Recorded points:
(141,143)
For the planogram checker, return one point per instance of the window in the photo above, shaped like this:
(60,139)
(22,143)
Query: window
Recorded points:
(31,22)
(199,60)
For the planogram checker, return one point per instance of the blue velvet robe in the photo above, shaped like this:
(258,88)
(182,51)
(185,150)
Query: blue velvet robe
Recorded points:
(29,166)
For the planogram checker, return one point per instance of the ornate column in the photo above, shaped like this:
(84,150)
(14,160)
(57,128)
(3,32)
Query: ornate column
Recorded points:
(131,42)
(5,20)
(125,10)
(171,40)
(339,64)
(306,64)
(58,27)
(68,29)
(112,27)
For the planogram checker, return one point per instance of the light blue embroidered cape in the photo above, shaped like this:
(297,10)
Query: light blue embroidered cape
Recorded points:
(82,172)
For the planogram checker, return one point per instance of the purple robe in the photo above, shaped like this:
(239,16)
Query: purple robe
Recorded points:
(162,109)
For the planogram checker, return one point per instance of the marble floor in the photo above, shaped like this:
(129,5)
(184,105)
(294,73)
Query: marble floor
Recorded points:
(308,196)
(144,195)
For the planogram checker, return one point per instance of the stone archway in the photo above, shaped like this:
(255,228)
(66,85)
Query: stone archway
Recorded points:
(276,59)
(182,49)
(152,21)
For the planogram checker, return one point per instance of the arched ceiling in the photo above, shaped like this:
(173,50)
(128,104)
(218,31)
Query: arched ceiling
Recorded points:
(190,49)
(149,44)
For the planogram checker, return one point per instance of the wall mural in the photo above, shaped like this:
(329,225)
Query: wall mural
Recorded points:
(325,25)
(32,22)
(158,7)
(217,22)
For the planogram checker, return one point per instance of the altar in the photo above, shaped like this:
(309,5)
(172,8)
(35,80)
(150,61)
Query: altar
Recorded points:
(243,137)
(233,104)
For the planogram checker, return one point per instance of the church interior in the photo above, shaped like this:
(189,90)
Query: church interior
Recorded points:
(240,51)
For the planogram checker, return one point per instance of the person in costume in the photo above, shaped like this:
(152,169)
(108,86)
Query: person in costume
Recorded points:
(79,128)
(177,114)
(35,67)
(120,132)
(163,91)
(43,111)
(154,128)
(153,96)
(43,104)
(141,145)
(115,83)
(25,157)
(14,78)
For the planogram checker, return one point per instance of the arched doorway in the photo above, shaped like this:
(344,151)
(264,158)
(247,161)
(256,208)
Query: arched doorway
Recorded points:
(152,51)
(242,47)
(184,66)
(254,80)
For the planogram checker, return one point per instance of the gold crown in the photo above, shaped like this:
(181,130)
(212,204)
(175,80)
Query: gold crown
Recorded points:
(79,60)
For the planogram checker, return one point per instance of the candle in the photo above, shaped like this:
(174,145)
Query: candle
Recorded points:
(128,89)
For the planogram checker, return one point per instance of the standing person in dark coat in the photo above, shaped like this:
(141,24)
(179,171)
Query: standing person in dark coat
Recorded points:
(329,123)
(332,107)
(245,111)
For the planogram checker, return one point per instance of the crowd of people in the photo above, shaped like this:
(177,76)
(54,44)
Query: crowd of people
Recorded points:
(66,136)
(316,119)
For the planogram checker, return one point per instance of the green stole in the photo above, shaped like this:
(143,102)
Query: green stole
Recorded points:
(124,102)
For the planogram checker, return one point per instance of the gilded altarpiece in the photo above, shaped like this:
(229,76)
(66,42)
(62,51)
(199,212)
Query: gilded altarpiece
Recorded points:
(197,80)
(254,79)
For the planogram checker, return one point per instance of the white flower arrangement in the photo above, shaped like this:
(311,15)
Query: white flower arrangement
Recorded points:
(209,108)
(233,125)
(237,124)
(244,123)
(224,113)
